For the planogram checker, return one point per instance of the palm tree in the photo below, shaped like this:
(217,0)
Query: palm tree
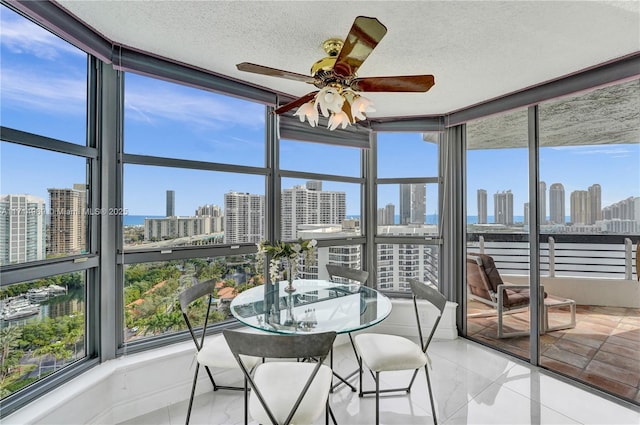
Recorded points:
(9,339)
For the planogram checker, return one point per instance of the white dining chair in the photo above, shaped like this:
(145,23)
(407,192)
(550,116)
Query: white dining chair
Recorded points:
(387,353)
(213,351)
(284,392)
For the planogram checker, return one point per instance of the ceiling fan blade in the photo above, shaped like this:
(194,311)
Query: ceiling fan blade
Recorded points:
(407,83)
(273,72)
(363,37)
(295,103)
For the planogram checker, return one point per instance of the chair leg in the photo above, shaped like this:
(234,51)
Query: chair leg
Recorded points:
(193,392)
(433,406)
(377,398)
(213,382)
(360,375)
(413,378)
(246,401)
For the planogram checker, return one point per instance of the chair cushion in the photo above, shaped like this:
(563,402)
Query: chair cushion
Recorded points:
(477,280)
(281,383)
(216,353)
(382,352)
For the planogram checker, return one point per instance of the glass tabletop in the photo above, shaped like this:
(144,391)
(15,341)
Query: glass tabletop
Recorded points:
(315,306)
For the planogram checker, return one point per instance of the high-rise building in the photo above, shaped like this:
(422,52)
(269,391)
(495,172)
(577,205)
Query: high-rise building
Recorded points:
(413,203)
(482,206)
(627,209)
(215,218)
(180,227)
(526,213)
(22,229)
(171,203)
(345,255)
(503,207)
(397,263)
(579,207)
(542,203)
(243,217)
(556,204)
(386,215)
(68,220)
(594,204)
(310,205)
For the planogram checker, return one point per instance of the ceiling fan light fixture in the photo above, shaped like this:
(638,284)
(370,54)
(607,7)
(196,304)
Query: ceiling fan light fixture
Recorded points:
(330,100)
(338,119)
(359,106)
(308,111)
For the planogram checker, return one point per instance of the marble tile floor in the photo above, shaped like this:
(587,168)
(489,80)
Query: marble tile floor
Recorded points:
(472,385)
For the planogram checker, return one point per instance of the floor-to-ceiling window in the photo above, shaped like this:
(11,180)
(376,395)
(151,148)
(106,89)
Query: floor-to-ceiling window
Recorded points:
(47,257)
(497,201)
(589,156)
(587,196)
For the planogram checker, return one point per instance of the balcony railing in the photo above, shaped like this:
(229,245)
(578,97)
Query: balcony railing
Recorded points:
(562,255)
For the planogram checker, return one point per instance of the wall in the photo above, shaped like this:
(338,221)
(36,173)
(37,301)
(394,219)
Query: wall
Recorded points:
(586,291)
(133,385)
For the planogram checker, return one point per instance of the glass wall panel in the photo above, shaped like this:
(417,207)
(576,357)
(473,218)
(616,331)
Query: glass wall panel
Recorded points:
(191,207)
(170,120)
(410,205)
(497,207)
(42,328)
(407,155)
(43,214)
(407,211)
(44,82)
(320,209)
(319,158)
(151,292)
(589,156)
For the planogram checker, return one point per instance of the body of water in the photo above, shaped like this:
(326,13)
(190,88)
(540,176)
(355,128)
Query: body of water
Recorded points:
(137,220)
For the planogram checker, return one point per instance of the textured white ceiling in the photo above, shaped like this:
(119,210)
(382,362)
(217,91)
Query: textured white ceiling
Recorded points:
(476,50)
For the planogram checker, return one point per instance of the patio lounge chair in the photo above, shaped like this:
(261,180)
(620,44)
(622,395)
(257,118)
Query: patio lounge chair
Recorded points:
(485,285)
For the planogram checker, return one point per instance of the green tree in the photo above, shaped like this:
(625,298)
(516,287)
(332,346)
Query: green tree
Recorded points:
(9,341)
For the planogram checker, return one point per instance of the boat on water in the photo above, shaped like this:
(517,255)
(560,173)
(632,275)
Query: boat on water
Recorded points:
(44,293)
(18,308)
(19,313)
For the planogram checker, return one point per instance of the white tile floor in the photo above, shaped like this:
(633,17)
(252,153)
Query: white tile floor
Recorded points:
(472,385)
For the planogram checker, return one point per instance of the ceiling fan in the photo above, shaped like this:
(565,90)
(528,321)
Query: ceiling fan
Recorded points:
(335,76)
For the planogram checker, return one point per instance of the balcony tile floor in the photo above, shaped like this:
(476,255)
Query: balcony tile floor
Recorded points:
(472,385)
(603,349)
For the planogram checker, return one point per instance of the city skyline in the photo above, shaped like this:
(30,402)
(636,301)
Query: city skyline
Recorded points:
(161,120)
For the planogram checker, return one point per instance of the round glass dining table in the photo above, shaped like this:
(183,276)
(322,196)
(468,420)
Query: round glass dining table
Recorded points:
(314,306)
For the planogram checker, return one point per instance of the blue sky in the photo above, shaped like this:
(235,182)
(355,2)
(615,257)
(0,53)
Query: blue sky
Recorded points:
(43,92)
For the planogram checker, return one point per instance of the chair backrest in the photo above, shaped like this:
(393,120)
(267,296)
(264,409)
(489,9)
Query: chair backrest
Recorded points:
(359,276)
(313,345)
(483,277)
(278,346)
(190,295)
(429,292)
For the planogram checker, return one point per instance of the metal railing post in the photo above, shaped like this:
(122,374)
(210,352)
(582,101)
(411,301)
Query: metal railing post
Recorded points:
(552,257)
(481,244)
(628,259)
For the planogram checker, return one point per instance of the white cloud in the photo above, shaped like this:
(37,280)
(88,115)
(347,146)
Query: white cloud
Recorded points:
(24,37)
(61,95)
(615,150)
(151,104)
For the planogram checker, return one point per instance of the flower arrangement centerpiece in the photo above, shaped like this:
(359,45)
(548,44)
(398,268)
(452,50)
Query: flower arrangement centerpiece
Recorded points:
(284,258)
